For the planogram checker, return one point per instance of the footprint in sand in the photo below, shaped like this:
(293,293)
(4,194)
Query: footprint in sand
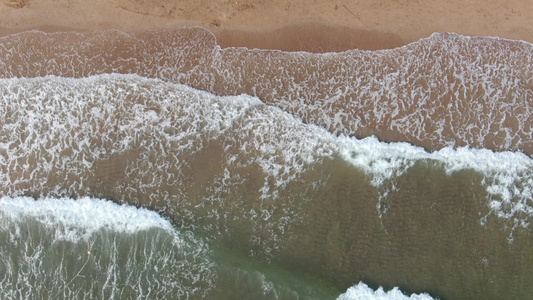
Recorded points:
(15,3)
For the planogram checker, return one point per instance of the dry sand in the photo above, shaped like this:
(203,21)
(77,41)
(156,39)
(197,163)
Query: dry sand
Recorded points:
(312,25)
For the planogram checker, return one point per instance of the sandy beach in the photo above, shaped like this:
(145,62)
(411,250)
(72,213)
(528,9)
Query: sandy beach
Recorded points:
(316,26)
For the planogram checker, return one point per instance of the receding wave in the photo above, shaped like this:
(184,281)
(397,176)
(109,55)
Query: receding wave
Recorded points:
(75,127)
(261,183)
(445,90)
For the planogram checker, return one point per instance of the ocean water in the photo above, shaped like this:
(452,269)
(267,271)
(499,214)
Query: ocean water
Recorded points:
(157,165)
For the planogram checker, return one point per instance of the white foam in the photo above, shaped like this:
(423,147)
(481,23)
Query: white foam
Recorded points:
(508,176)
(83,217)
(382,161)
(161,263)
(362,291)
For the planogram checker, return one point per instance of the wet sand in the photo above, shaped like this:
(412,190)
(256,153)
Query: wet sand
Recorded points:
(316,26)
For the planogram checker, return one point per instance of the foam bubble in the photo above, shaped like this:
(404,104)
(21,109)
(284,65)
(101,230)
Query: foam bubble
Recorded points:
(508,176)
(84,216)
(362,291)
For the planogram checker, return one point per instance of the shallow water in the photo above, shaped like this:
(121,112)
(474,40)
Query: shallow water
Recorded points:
(277,196)
(445,90)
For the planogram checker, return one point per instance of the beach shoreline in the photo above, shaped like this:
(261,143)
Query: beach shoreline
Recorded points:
(294,25)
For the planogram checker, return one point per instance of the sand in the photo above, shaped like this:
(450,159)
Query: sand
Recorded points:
(310,25)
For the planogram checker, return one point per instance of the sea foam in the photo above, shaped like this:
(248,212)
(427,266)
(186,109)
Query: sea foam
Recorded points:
(362,291)
(52,247)
(84,216)
(507,176)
